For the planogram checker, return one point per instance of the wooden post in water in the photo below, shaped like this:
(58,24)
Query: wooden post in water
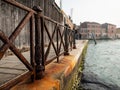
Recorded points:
(94,38)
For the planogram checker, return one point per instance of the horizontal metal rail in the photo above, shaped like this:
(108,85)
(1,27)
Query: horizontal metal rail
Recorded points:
(51,20)
(15,3)
(50,60)
(14,81)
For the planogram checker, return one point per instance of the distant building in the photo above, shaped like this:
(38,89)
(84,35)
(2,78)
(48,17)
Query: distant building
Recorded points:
(89,28)
(110,30)
(118,33)
(103,33)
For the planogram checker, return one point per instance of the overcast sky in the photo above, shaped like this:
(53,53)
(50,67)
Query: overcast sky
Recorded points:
(100,11)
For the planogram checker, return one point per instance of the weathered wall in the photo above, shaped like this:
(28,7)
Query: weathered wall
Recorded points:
(10,16)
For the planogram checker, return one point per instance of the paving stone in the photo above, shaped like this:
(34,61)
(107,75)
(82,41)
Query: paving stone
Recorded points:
(6,77)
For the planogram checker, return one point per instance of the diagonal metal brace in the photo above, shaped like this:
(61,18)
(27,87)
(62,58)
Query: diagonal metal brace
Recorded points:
(15,33)
(12,47)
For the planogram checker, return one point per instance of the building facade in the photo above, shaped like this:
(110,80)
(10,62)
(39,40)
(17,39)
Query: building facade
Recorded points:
(118,33)
(103,33)
(88,29)
(110,30)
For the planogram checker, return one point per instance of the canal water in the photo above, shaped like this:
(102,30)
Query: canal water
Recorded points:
(102,66)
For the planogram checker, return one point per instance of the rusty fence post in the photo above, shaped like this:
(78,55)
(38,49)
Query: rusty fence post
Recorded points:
(42,41)
(66,36)
(38,46)
(71,39)
(57,39)
(74,41)
(32,50)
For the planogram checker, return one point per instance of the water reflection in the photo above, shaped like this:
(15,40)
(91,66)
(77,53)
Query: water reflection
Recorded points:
(102,66)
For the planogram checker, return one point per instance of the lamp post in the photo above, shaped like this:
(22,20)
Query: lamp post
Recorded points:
(61,4)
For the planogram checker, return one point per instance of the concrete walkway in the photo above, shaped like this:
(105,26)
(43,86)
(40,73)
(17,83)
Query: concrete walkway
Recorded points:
(11,67)
(57,75)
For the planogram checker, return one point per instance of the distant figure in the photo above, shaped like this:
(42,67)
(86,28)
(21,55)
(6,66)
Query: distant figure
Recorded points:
(77,35)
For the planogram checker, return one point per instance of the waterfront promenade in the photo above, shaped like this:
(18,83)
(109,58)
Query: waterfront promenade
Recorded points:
(10,67)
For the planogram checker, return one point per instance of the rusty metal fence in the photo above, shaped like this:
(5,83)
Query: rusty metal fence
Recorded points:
(39,52)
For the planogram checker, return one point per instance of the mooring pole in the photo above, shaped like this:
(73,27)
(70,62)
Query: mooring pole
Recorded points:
(94,38)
